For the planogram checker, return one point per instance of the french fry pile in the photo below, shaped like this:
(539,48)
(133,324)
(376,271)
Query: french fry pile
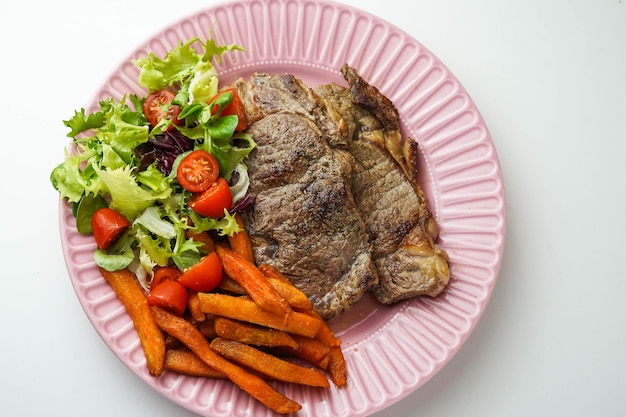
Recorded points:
(248,331)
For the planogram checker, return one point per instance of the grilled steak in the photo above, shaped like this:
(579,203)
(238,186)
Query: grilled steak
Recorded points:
(305,221)
(390,200)
(338,208)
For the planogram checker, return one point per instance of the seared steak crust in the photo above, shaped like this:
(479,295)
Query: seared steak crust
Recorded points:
(305,221)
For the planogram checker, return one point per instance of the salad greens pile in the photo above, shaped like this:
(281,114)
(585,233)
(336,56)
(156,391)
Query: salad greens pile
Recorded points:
(119,161)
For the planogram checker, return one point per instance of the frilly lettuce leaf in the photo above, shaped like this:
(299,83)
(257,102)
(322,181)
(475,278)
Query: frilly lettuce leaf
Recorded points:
(183,64)
(127,196)
(155,247)
(213,50)
(121,135)
(154,179)
(152,221)
(204,84)
(110,158)
(177,65)
(69,179)
(81,122)
(161,234)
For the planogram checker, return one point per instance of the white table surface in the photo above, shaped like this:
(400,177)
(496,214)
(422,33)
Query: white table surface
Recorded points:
(549,78)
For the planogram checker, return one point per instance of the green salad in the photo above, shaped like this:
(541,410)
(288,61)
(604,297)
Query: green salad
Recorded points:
(126,157)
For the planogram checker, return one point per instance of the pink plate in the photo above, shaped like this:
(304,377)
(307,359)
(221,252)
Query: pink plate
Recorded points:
(390,350)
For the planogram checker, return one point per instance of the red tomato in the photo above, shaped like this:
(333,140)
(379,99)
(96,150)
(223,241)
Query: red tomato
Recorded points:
(153,108)
(107,226)
(197,171)
(169,295)
(212,201)
(203,276)
(235,107)
(165,273)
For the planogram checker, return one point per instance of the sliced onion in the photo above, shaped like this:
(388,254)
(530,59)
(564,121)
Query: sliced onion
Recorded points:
(141,274)
(240,188)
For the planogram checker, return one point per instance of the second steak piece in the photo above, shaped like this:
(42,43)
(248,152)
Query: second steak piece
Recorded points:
(388,194)
(304,220)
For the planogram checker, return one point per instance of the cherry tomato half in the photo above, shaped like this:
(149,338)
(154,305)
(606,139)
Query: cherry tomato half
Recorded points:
(236,107)
(212,201)
(203,276)
(154,104)
(164,273)
(169,295)
(197,171)
(107,226)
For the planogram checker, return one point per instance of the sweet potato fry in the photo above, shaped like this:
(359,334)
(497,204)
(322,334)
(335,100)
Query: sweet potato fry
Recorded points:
(294,297)
(270,271)
(132,296)
(337,367)
(311,350)
(207,328)
(250,383)
(243,309)
(240,241)
(253,281)
(251,334)
(194,307)
(325,335)
(269,365)
(171,343)
(186,362)
(230,285)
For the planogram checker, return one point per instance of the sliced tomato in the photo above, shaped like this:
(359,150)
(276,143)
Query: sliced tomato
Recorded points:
(203,276)
(213,201)
(169,295)
(107,226)
(154,108)
(164,273)
(197,171)
(236,108)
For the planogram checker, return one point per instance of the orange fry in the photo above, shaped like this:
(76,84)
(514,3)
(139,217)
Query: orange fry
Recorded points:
(253,281)
(230,285)
(337,367)
(130,293)
(171,342)
(243,309)
(325,335)
(294,297)
(251,334)
(195,341)
(312,350)
(194,307)
(269,365)
(207,328)
(186,362)
(270,271)
(240,241)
